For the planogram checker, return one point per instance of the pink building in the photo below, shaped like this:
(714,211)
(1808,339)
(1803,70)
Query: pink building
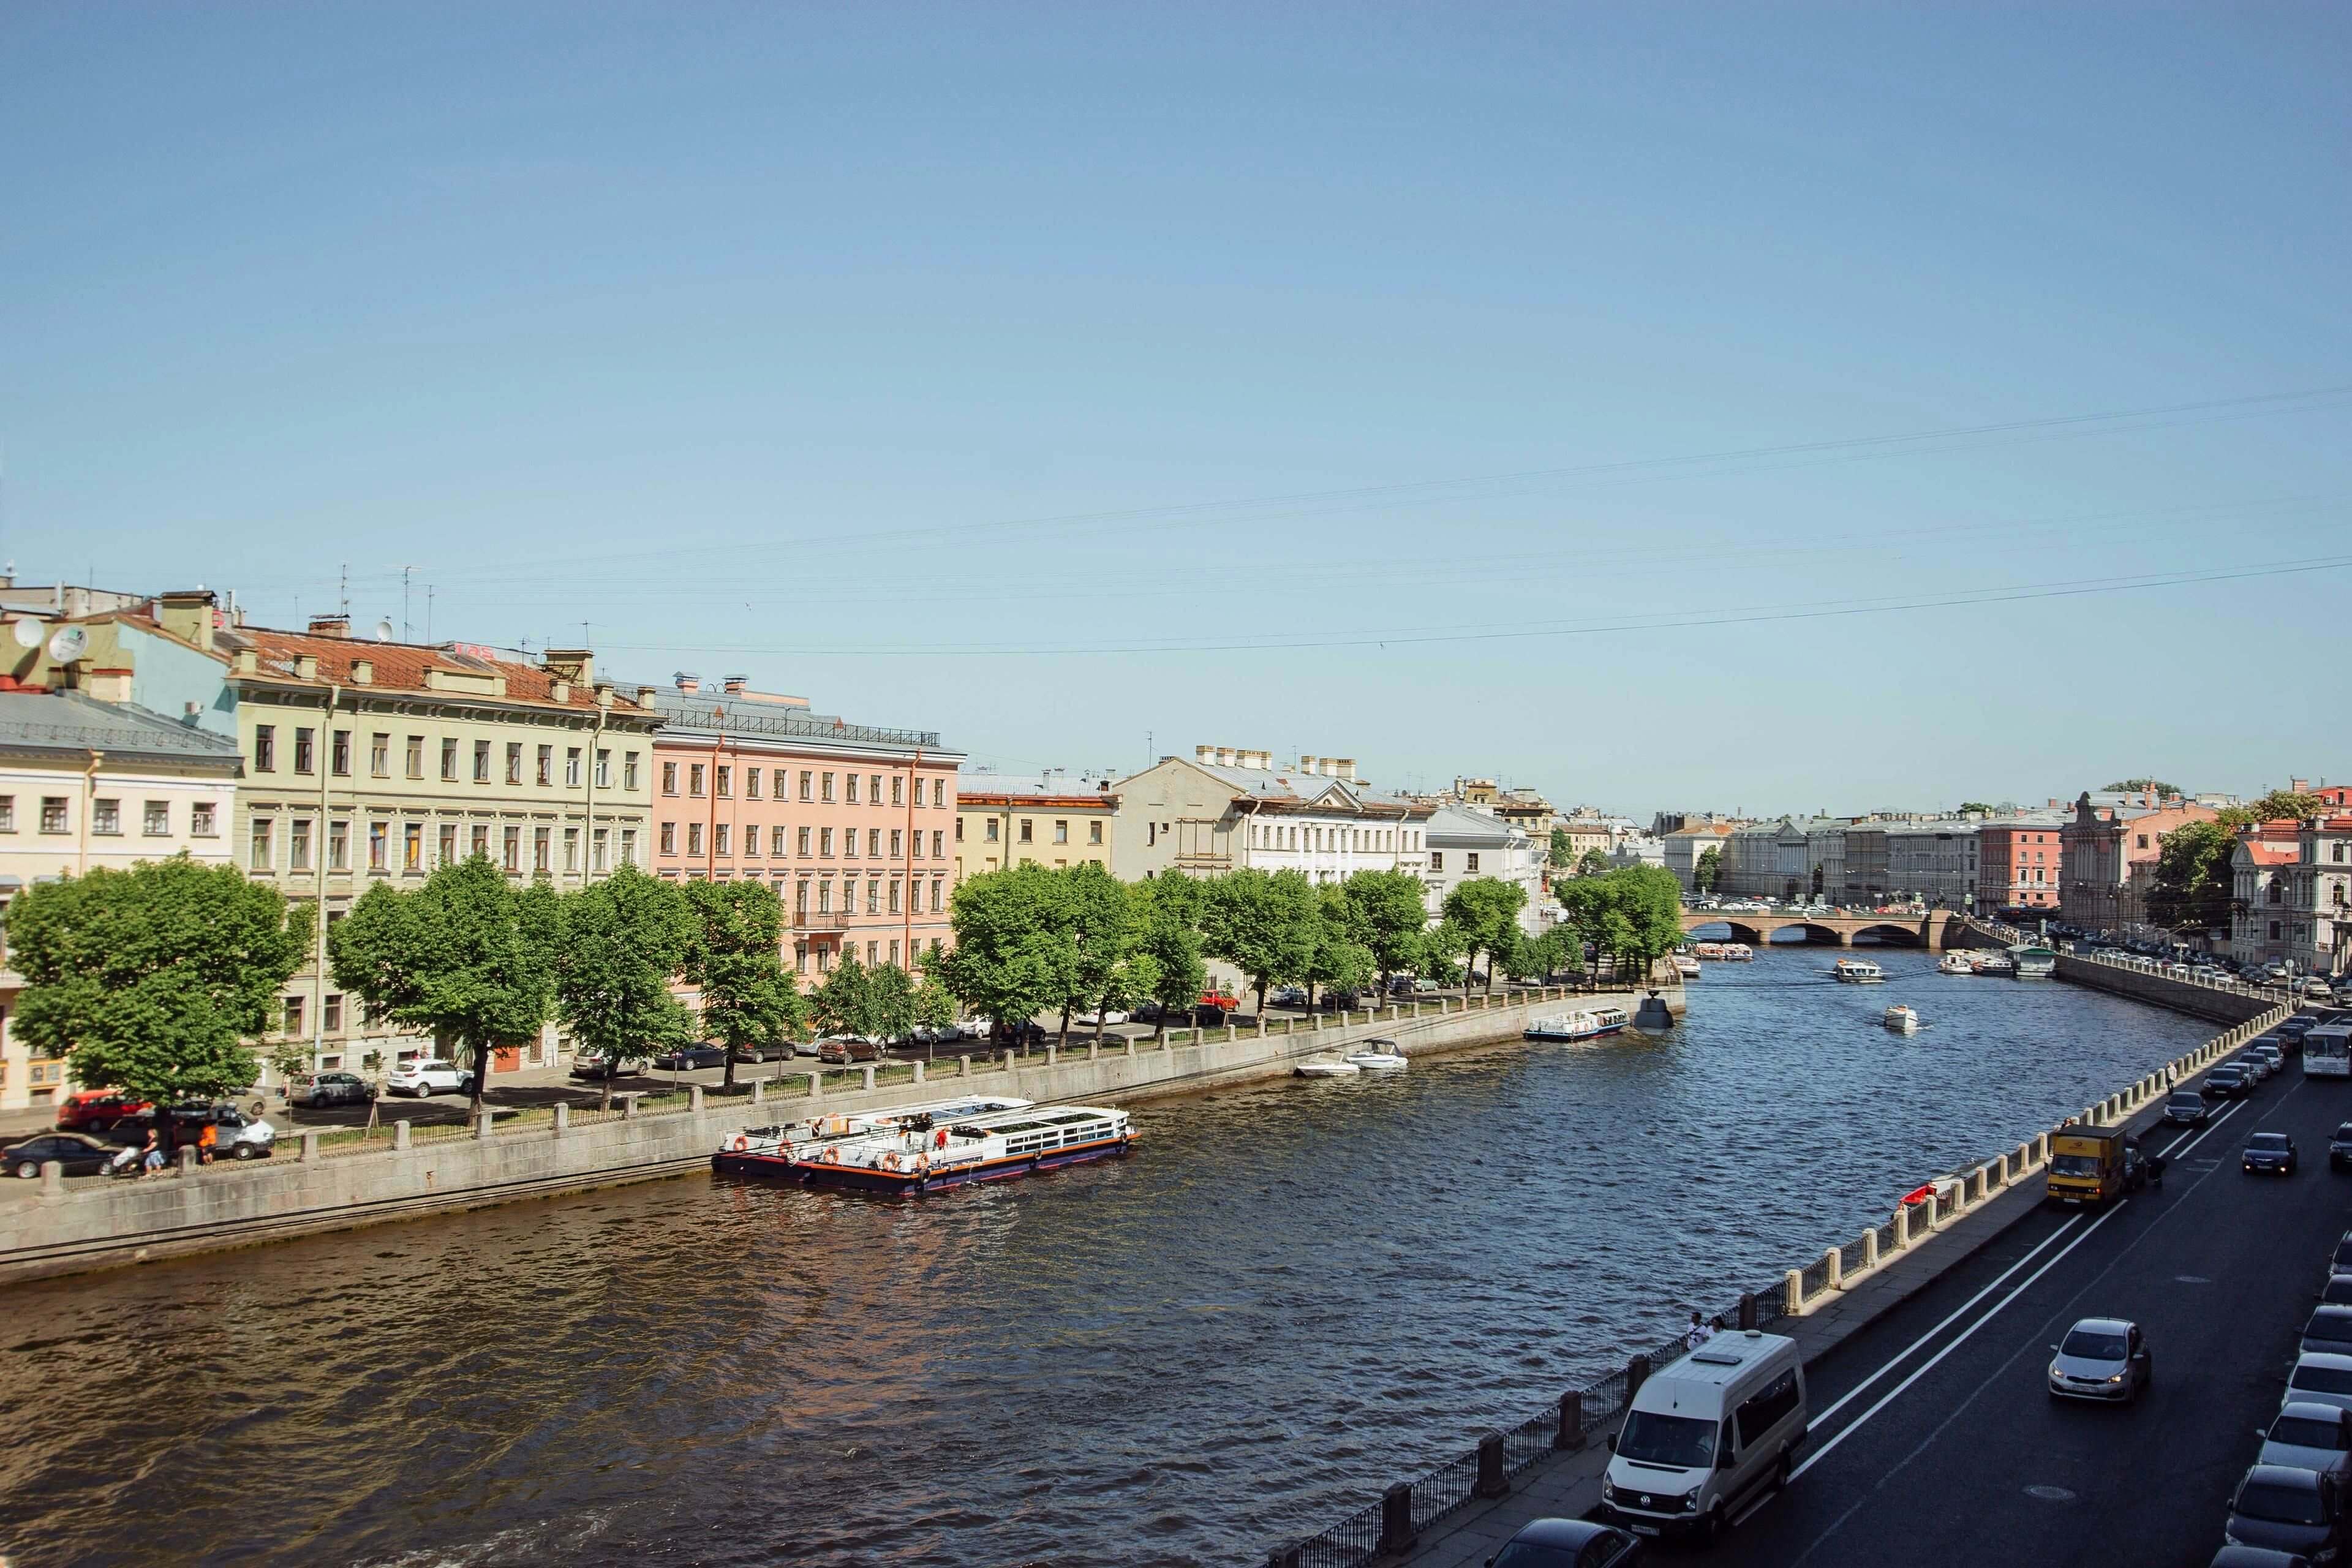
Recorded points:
(853,826)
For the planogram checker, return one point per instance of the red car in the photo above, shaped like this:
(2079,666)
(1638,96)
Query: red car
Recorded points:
(1223,1001)
(96,1110)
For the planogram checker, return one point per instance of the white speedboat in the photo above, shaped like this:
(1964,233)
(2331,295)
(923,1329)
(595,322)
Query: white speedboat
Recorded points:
(1902,1019)
(1376,1055)
(1858,971)
(1955,963)
(1584,1024)
(1686,966)
(1326,1067)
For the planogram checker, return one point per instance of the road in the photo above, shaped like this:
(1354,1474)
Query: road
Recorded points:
(1935,1442)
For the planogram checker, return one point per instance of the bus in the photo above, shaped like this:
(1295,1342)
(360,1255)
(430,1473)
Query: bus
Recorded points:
(2327,1051)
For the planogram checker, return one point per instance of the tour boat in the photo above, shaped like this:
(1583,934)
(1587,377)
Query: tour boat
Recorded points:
(1584,1024)
(1686,966)
(1708,949)
(1326,1067)
(1858,971)
(1955,963)
(1902,1019)
(925,1153)
(2029,962)
(1994,964)
(1737,951)
(1376,1055)
(781,1150)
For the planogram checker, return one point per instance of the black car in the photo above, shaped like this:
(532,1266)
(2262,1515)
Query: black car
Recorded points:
(2286,1510)
(783,1053)
(1568,1543)
(2270,1153)
(2257,1557)
(2226,1083)
(78,1152)
(2339,1148)
(2184,1107)
(704,1054)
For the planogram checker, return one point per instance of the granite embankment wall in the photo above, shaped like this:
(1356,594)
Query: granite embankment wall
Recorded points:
(2223,1002)
(91,1223)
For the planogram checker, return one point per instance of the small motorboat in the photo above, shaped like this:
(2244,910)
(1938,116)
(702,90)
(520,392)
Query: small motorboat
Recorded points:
(1376,1055)
(1686,966)
(1902,1020)
(1327,1066)
(1955,963)
(1858,971)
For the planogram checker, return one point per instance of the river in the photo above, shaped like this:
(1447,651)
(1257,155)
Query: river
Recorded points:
(1293,1294)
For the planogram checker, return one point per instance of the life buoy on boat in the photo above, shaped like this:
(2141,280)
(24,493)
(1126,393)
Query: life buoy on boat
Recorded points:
(741,1143)
(890,1160)
(833,1156)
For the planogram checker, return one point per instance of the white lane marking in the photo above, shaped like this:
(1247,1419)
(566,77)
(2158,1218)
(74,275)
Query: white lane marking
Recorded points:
(1893,1360)
(1856,1424)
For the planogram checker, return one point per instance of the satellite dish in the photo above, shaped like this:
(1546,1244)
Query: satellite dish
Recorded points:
(69,644)
(29,632)
(383,631)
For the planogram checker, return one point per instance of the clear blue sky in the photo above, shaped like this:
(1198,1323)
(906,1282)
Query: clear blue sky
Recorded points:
(1023,373)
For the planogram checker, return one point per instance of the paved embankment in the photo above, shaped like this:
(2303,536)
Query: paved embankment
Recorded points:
(2222,1000)
(92,1223)
(1850,1293)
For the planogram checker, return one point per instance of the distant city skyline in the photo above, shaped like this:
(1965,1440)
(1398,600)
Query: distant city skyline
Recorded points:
(1618,407)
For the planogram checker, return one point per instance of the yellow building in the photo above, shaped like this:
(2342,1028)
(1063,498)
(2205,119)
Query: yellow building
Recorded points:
(1002,822)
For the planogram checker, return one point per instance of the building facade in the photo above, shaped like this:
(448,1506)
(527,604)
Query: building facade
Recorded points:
(1683,847)
(1767,860)
(2109,856)
(1465,843)
(1934,863)
(853,824)
(2319,896)
(1206,817)
(2019,864)
(1003,822)
(2261,869)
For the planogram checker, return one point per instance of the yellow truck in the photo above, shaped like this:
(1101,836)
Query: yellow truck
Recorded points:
(2096,1165)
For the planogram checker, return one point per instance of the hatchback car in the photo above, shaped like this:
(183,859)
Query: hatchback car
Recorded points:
(2270,1153)
(78,1152)
(2287,1510)
(2329,1331)
(1568,1543)
(317,1089)
(2319,1378)
(2305,1437)
(2256,1068)
(2184,1107)
(2104,1359)
(96,1110)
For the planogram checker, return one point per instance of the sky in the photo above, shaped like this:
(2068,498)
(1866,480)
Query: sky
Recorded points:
(1667,407)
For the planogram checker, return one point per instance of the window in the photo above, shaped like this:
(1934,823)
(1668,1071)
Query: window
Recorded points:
(293,1016)
(628,846)
(750,838)
(265,748)
(670,838)
(541,843)
(873,843)
(201,821)
(379,844)
(990,834)
(332,1015)
(726,783)
(628,770)
(800,957)
(156,820)
(481,762)
(1026,836)
(669,778)
(693,780)
(719,839)
(751,784)
(415,757)
(894,888)
(514,761)
(7,814)
(898,797)
(898,843)
(828,788)
(1774,1404)
(257,860)
(939,797)
(597,845)
(512,845)
(450,759)
(1471,860)
(448,843)
(1437,859)
(2338,855)
(801,840)
(852,785)
(571,767)
(800,897)
(2143,840)
(824,897)
(481,840)
(823,842)
(939,893)
(2274,930)
(776,842)
(894,903)
(305,749)
(412,846)
(604,768)
(339,754)
(873,897)
(938,841)
(1061,830)
(298,844)
(379,756)
(805,776)
(873,953)
(1094,832)
(339,845)
(874,789)
(694,838)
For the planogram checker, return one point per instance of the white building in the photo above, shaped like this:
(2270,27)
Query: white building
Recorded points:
(1465,843)
(2319,896)
(1205,818)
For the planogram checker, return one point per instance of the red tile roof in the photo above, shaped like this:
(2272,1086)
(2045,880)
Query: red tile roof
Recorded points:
(396,667)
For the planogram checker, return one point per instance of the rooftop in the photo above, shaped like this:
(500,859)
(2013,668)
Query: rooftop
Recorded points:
(750,714)
(68,721)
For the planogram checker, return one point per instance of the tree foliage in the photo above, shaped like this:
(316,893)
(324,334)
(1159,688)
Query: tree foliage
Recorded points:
(1563,848)
(1262,923)
(2136,786)
(1593,863)
(1486,910)
(1099,917)
(1390,918)
(152,980)
(2191,886)
(735,960)
(1168,942)
(624,939)
(1706,872)
(1340,958)
(1013,957)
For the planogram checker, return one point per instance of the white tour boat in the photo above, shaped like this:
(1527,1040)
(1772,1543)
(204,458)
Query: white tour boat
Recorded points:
(1995,963)
(778,1150)
(1737,951)
(1713,950)
(1376,1055)
(1955,963)
(1858,971)
(911,1154)
(1584,1024)
(1326,1067)
(1902,1019)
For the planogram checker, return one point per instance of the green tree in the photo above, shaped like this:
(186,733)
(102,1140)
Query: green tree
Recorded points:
(1648,902)
(152,980)
(1262,923)
(467,957)
(841,1005)
(1706,872)
(1390,918)
(1340,958)
(624,940)
(1167,950)
(1563,848)
(1486,910)
(889,1003)
(1441,949)
(1012,956)
(1593,863)
(2192,885)
(736,961)
(934,1008)
(1976,806)
(1099,915)
(2288,806)
(2136,786)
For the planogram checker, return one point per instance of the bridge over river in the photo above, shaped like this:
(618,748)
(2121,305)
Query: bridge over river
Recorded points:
(1936,928)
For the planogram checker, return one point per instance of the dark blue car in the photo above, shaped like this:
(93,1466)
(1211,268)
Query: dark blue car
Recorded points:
(2271,1154)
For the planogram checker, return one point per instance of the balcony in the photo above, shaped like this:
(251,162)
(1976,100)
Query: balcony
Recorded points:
(821,920)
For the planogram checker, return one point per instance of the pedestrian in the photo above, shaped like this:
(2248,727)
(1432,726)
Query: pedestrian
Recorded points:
(205,1139)
(150,1156)
(1697,1334)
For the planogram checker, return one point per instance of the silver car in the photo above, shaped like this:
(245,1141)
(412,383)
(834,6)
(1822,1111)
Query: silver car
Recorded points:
(2305,1435)
(2269,1053)
(2319,1378)
(2101,1358)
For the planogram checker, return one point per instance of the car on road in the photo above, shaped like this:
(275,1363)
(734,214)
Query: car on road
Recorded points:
(2329,1331)
(1223,1001)
(314,1090)
(684,1059)
(78,1152)
(1286,996)
(2257,1557)
(2226,1082)
(2184,1107)
(757,1053)
(2319,1378)
(235,1135)
(1101,1020)
(2317,988)
(1568,1543)
(2339,1147)
(840,1051)
(421,1076)
(2304,1436)
(2337,1291)
(2270,1051)
(2103,1359)
(96,1110)
(2270,1153)
(2287,1510)
(2257,1068)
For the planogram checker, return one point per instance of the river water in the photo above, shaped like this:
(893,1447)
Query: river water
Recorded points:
(1293,1294)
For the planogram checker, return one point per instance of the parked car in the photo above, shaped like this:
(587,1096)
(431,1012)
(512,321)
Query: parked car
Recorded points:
(235,1135)
(1287,996)
(421,1076)
(1342,997)
(96,1110)
(2101,1358)
(2184,1107)
(596,1070)
(318,1088)
(687,1057)
(1223,1001)
(2287,1510)
(2226,1082)
(2329,1331)
(1101,1020)
(2337,1291)
(2319,1378)
(779,1053)
(2270,1153)
(842,1049)
(2317,986)
(1569,1544)
(2304,1436)
(78,1152)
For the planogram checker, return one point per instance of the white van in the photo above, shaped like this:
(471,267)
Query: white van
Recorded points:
(1706,1434)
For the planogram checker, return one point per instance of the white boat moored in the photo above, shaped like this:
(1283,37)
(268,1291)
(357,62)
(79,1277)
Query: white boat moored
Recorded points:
(1326,1067)
(1376,1055)
(1955,963)
(1584,1024)
(1686,966)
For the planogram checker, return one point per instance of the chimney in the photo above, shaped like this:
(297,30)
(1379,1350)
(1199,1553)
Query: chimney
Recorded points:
(331,626)
(559,691)
(733,684)
(363,672)
(645,696)
(188,615)
(107,685)
(2294,786)
(576,665)
(2147,796)
(686,680)
(306,666)
(604,694)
